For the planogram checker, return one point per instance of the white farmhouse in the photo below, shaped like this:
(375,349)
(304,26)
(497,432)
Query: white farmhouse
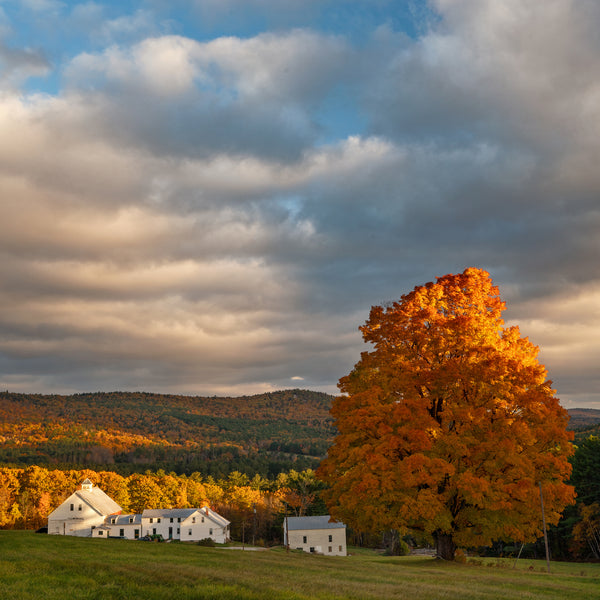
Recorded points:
(315,534)
(186,524)
(124,526)
(82,512)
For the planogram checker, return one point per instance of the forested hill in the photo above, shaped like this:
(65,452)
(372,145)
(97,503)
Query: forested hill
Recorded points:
(127,432)
(585,422)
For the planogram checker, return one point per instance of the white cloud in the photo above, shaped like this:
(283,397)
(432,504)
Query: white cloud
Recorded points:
(248,97)
(175,219)
(42,6)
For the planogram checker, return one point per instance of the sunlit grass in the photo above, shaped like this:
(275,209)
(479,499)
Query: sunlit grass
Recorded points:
(54,567)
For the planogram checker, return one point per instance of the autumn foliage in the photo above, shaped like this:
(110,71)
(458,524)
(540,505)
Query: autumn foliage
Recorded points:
(449,424)
(255,506)
(134,431)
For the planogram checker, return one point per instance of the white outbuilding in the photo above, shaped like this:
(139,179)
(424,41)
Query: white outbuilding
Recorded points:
(186,524)
(318,534)
(123,526)
(82,512)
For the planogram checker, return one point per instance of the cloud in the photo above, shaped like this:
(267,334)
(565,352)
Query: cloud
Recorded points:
(92,20)
(249,97)
(42,6)
(17,65)
(183,215)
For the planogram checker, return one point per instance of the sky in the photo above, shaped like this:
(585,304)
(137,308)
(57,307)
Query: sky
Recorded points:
(207,196)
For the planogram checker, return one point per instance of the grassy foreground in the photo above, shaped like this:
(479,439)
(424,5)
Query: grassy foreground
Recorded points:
(42,567)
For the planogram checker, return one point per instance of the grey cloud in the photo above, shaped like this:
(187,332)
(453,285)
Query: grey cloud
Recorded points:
(178,97)
(178,221)
(17,65)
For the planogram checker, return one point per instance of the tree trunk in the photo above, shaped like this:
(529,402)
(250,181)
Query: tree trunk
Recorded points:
(445,546)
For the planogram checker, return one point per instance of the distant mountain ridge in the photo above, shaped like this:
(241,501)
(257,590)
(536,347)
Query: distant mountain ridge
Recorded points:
(135,431)
(584,422)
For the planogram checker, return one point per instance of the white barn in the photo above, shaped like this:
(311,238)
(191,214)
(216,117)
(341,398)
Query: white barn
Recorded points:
(90,512)
(82,512)
(315,534)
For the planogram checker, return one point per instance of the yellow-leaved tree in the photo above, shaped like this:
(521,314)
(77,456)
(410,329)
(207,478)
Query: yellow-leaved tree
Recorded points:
(449,425)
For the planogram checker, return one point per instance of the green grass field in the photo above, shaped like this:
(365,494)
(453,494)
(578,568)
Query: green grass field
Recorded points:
(42,567)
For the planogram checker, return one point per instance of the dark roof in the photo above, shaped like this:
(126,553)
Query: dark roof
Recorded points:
(166,513)
(320,522)
(124,519)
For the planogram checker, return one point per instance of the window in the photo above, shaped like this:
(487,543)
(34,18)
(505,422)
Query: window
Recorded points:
(122,532)
(131,521)
(304,539)
(331,538)
(312,549)
(179,519)
(101,533)
(136,534)
(154,531)
(210,532)
(190,531)
(171,520)
(80,506)
(340,548)
(330,549)
(158,520)
(151,520)
(203,519)
(193,519)
(178,533)
(113,521)
(72,507)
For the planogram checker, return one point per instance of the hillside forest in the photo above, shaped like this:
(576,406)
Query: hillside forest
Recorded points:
(132,432)
(251,459)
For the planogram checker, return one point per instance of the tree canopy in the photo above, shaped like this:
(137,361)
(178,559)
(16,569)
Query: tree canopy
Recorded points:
(449,424)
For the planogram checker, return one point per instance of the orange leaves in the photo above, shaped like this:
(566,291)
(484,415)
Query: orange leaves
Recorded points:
(473,489)
(449,420)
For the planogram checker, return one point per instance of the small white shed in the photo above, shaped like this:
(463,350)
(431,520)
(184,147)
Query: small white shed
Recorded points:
(318,534)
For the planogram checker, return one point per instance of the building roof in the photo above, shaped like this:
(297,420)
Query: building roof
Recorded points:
(166,513)
(184,513)
(320,522)
(216,517)
(99,501)
(124,519)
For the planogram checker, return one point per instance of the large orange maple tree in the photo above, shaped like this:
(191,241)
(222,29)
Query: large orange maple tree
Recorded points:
(449,425)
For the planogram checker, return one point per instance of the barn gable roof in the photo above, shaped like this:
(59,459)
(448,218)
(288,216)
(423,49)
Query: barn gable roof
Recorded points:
(97,499)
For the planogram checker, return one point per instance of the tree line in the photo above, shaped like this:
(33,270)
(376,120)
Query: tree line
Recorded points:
(255,506)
